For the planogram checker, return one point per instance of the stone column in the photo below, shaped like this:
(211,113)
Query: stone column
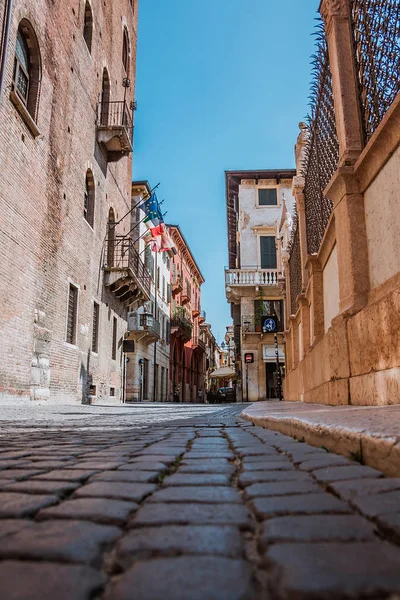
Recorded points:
(298,193)
(316,300)
(305,323)
(343,189)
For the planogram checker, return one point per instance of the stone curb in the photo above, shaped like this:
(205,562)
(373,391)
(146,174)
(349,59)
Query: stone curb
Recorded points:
(382,453)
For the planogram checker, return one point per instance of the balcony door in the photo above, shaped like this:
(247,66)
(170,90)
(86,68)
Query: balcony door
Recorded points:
(268,252)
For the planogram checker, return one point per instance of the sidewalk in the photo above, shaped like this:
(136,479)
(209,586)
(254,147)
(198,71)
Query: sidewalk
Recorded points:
(368,434)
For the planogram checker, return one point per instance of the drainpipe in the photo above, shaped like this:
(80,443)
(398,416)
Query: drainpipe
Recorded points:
(5,34)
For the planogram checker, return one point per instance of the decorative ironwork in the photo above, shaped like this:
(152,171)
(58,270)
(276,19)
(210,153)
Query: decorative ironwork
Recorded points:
(322,153)
(376,32)
(295,270)
(121,254)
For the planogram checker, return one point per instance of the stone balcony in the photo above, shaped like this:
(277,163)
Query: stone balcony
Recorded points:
(181,327)
(115,129)
(247,281)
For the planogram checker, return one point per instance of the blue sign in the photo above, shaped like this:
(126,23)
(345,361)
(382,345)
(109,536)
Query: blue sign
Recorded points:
(269,325)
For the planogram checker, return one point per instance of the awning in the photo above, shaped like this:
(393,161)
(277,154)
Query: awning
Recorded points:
(224,373)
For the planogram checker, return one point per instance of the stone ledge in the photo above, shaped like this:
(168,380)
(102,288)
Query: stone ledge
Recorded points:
(368,434)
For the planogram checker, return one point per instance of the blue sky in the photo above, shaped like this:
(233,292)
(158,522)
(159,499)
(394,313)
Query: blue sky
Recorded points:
(221,84)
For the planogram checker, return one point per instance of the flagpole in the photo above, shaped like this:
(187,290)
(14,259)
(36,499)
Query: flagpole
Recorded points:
(155,316)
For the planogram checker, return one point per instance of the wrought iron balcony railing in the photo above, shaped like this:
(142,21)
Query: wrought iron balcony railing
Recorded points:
(121,254)
(115,128)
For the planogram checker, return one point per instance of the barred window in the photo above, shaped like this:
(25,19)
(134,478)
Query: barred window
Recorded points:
(95,327)
(114,339)
(72,314)
(267,197)
(125,51)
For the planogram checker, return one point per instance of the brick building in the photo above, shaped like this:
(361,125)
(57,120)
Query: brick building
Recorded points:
(65,164)
(188,346)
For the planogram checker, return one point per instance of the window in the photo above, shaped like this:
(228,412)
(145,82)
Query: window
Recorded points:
(88,26)
(112,391)
(125,51)
(72,312)
(88,200)
(148,260)
(267,197)
(105,98)
(158,279)
(168,332)
(27,68)
(95,327)
(114,339)
(145,379)
(163,287)
(268,252)
(169,292)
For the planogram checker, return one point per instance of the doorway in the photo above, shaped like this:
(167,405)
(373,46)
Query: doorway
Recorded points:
(271,380)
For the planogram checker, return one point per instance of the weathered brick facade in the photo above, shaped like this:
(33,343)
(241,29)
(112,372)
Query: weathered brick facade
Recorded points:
(45,241)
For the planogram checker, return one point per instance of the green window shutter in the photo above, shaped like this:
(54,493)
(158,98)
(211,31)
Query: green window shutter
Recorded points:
(268,252)
(267,197)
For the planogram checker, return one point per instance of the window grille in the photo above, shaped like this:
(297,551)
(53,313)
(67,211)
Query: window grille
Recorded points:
(72,314)
(95,327)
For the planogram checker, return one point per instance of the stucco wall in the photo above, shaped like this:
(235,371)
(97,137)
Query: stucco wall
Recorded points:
(331,289)
(382,218)
(253,216)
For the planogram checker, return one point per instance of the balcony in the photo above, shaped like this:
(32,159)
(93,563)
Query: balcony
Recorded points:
(181,326)
(125,274)
(202,317)
(198,343)
(140,329)
(115,129)
(196,312)
(251,277)
(185,298)
(177,285)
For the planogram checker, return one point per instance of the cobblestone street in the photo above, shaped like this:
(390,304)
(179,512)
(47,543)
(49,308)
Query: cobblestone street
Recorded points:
(203,507)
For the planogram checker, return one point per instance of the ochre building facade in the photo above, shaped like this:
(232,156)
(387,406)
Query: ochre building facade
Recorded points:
(343,273)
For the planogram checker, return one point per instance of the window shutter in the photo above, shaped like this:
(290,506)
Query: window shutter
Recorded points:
(169,287)
(267,197)
(268,252)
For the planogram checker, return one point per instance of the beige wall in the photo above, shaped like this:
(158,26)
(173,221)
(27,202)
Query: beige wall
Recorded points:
(382,213)
(331,289)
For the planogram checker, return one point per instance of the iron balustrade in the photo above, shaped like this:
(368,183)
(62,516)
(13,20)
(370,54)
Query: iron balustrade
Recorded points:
(295,270)
(115,114)
(376,35)
(322,151)
(121,254)
(243,277)
(180,321)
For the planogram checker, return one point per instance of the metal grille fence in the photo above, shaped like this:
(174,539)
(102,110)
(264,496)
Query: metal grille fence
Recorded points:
(323,147)
(376,32)
(295,270)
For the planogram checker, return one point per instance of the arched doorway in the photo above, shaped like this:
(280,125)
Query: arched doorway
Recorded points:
(111,238)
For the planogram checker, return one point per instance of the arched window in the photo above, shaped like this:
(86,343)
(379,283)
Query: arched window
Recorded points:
(27,67)
(111,238)
(88,204)
(105,98)
(125,51)
(88,26)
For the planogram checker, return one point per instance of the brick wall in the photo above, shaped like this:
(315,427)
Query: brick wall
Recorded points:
(45,242)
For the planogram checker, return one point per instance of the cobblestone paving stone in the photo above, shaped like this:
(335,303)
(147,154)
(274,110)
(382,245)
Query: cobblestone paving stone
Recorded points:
(194,504)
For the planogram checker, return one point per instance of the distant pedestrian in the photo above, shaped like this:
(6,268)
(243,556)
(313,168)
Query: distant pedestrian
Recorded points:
(200,395)
(176,394)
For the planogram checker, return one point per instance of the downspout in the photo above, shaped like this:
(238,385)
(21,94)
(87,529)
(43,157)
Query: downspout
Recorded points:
(5,34)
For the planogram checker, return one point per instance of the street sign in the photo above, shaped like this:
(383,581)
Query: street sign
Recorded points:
(249,358)
(268,324)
